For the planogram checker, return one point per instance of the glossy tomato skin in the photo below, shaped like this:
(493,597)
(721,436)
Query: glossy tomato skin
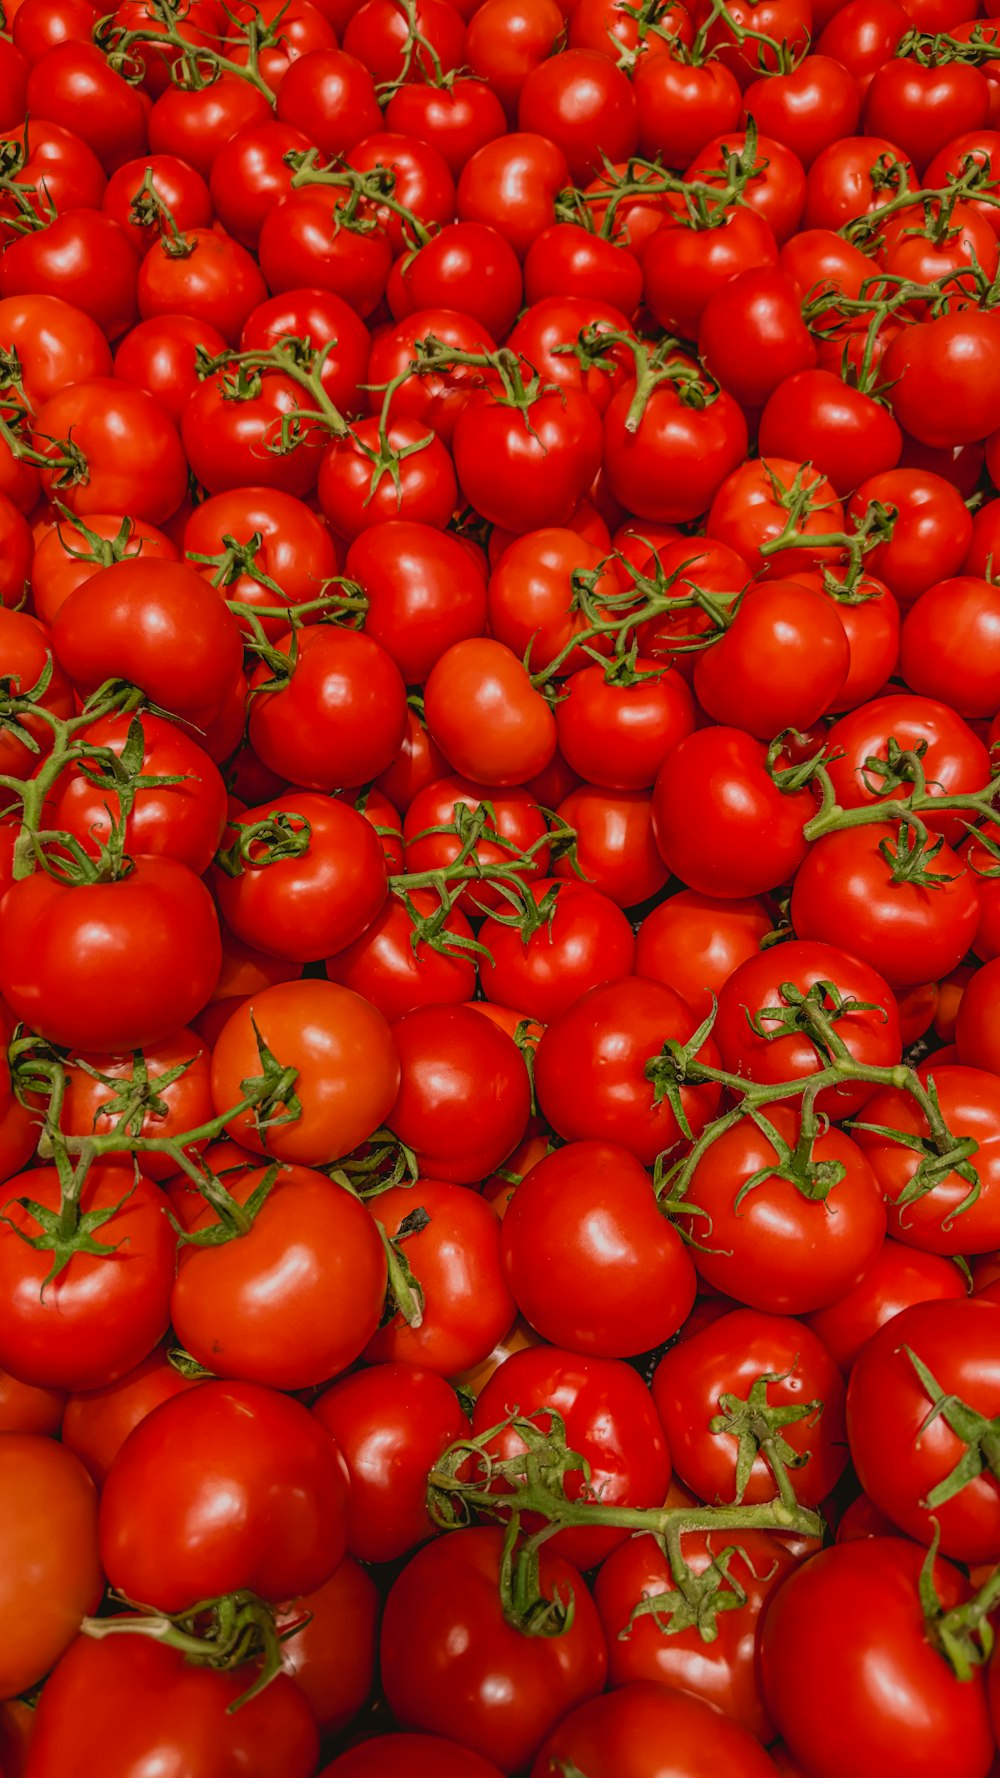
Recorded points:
(886,1674)
(610,1420)
(727,1357)
(722,1671)
(391,1423)
(899,1277)
(346,1060)
(590,1070)
(456,1259)
(103,1313)
(97,1422)
(888,1410)
(778,1250)
(332,1650)
(781,664)
(307,905)
(723,771)
(294,1300)
(954,759)
(525,468)
(466,1668)
(695,942)
(184,1103)
(969,1102)
(753,1042)
(486,716)
(587,940)
(844,895)
(948,651)
(108,1702)
(423,592)
(131,932)
(450,1055)
(50,1574)
(631,1732)
(338,719)
(420,1756)
(284,1527)
(26,1408)
(577,1287)
(385,968)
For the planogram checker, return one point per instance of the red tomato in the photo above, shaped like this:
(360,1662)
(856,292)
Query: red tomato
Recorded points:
(727,1358)
(449,1056)
(615,845)
(624,1735)
(900,1277)
(338,718)
(443,1617)
(577,939)
(694,943)
(455,1258)
(420,1756)
(104,1092)
(752,840)
(954,760)
(609,1419)
(931,533)
(248,1490)
(781,664)
(126,1693)
(591,1260)
(332,1648)
(50,1575)
(347,1069)
(948,649)
(103,1312)
(423,594)
(98,1421)
(391,1422)
(938,1220)
(882,1693)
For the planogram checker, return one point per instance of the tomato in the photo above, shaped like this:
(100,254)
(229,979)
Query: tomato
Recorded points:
(728,1357)
(309,901)
(516,819)
(354,494)
(931,534)
(422,597)
(229,1309)
(752,336)
(684,266)
(443,1617)
(609,1419)
(533,602)
(946,386)
(586,940)
(954,760)
(183,820)
(128,1693)
(97,1422)
(923,106)
(774,1247)
(749,514)
(616,849)
(294,31)
(384,966)
(155,624)
(579,99)
(511,184)
(278,1472)
(421,1756)
(590,1068)
(26,646)
(845,894)
(694,943)
(890,1407)
(754,839)
(103,1312)
(194,123)
(335,331)
(137,209)
(346,1062)
(61,946)
(104,1092)
(670,465)
(51,1575)
(781,663)
(975,1026)
(844,433)
(593,1264)
(232,442)
(55,344)
(630,1732)
(455,1258)
(720,1670)
(486,716)
(947,646)
(391,1422)
(525,467)
(882,1693)
(24,1407)
(449,1055)
(160,356)
(969,1102)
(466,267)
(338,718)
(761,1037)
(331,1651)
(456,119)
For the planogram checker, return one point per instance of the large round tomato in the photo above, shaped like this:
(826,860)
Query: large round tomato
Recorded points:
(900,1424)
(852,1678)
(97,1422)
(581,938)
(246,1490)
(450,1659)
(632,1731)
(899,1277)
(721,822)
(451,1057)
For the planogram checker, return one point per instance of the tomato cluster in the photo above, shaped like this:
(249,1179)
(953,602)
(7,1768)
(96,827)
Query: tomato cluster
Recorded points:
(499,888)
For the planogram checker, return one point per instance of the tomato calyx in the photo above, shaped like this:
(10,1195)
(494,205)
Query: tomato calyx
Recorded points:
(195,66)
(378,1166)
(375,187)
(757,1426)
(469,827)
(404,1292)
(935,49)
(224,1633)
(980,1435)
(269,841)
(964,1636)
(29,217)
(69,1230)
(149,209)
(800,502)
(546,1480)
(64,457)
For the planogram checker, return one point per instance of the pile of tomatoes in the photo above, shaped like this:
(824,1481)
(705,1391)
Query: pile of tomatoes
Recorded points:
(499,888)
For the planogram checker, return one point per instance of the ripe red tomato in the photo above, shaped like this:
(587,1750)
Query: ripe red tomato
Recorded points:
(248,1491)
(899,1277)
(421,1756)
(969,1103)
(332,1648)
(727,1357)
(753,840)
(623,1734)
(97,1422)
(448,1055)
(50,1575)
(443,1615)
(391,1423)
(886,1675)
(586,940)
(593,1263)
(346,1061)
(953,758)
